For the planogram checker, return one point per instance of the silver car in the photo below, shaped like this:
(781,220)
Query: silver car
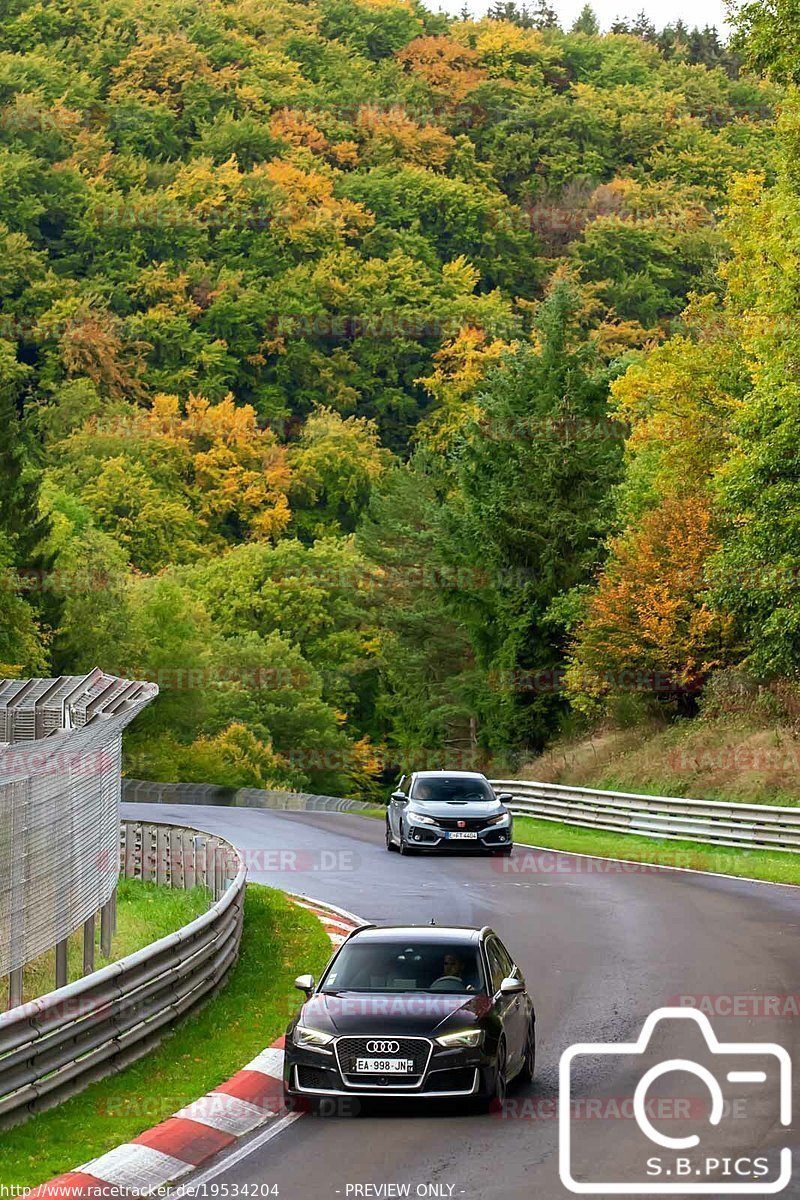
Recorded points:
(445,810)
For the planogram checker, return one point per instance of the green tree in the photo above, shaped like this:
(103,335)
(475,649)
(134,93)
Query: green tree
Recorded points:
(758,485)
(336,463)
(769,34)
(586,22)
(424,654)
(533,474)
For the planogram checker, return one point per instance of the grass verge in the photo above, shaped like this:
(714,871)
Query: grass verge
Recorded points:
(280,941)
(145,913)
(773,866)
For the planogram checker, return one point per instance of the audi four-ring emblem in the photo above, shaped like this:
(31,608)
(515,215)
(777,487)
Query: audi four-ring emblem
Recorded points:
(375,1047)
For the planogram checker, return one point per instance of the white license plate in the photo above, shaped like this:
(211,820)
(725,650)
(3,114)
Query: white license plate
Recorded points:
(384,1066)
(463,836)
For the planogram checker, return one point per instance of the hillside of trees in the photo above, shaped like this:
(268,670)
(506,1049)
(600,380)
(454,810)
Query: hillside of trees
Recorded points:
(391,388)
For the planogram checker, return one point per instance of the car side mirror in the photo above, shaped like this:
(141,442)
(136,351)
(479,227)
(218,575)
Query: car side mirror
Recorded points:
(398,796)
(511,986)
(305,983)
(504,797)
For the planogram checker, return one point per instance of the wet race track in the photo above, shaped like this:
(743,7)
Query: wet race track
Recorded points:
(602,946)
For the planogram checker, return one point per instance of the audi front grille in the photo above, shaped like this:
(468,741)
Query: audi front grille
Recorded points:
(348,1049)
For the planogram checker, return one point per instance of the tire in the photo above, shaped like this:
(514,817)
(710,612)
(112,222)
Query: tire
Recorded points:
(504,851)
(529,1062)
(500,1088)
(390,846)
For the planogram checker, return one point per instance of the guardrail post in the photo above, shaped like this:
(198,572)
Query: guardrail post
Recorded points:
(163,863)
(209,856)
(131,832)
(113,903)
(219,872)
(176,858)
(147,853)
(189,853)
(15,988)
(61,963)
(105,929)
(88,945)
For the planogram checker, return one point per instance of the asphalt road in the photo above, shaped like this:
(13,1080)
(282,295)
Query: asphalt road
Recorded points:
(601,946)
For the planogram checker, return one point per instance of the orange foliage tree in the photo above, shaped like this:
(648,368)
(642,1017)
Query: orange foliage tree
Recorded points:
(649,626)
(448,68)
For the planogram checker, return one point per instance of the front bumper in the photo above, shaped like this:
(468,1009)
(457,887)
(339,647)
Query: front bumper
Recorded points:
(450,1085)
(444,1072)
(431,837)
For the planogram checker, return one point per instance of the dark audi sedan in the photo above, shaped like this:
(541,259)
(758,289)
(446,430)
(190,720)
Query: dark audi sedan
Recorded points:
(445,810)
(413,1010)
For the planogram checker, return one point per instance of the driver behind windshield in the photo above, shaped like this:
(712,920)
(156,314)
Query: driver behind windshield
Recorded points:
(366,967)
(454,976)
(453,965)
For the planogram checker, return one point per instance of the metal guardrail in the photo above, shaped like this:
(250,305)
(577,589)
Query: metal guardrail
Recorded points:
(144,791)
(54,1046)
(753,826)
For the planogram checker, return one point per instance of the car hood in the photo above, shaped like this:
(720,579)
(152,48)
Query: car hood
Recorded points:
(392,1013)
(457,808)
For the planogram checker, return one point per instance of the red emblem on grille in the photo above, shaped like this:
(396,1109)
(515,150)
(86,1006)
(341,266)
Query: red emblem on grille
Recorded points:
(462,824)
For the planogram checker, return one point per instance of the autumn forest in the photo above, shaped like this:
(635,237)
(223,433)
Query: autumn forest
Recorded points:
(394,388)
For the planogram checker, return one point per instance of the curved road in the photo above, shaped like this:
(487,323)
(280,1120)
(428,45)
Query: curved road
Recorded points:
(601,945)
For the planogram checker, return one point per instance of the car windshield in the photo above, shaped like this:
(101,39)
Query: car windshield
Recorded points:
(451,788)
(401,967)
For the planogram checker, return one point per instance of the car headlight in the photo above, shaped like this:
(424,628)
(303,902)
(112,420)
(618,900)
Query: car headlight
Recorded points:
(501,819)
(312,1039)
(420,819)
(464,1037)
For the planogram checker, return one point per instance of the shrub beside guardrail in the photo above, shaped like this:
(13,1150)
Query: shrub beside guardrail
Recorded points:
(54,1046)
(749,826)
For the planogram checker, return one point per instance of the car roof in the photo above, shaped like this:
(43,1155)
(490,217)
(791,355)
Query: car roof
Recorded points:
(430,933)
(449,774)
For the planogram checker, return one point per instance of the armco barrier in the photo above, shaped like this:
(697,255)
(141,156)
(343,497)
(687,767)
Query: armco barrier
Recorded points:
(145,792)
(52,1047)
(754,826)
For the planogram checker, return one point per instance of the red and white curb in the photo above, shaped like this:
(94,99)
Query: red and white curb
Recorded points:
(251,1098)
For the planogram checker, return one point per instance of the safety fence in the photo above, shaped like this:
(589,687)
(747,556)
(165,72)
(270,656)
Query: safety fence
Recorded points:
(754,826)
(60,752)
(55,1045)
